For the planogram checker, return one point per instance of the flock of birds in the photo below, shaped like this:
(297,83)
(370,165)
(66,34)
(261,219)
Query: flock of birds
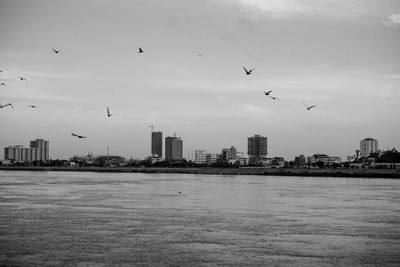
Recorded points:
(248,72)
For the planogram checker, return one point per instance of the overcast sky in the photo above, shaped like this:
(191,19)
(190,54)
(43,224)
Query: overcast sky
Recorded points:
(342,56)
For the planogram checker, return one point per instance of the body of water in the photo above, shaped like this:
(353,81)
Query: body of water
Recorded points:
(125,219)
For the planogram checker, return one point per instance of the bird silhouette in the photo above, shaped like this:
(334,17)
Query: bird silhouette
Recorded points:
(267,93)
(8,104)
(274,98)
(248,72)
(309,107)
(3,84)
(108,112)
(56,51)
(140,50)
(79,136)
(33,106)
(21,78)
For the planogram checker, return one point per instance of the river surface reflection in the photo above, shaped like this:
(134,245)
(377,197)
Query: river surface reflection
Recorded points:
(117,219)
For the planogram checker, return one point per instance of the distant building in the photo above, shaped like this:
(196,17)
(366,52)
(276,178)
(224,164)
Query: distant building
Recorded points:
(200,157)
(156,144)
(42,149)
(228,154)
(368,146)
(109,160)
(257,149)
(88,159)
(241,159)
(300,161)
(278,162)
(173,148)
(211,158)
(38,151)
(323,158)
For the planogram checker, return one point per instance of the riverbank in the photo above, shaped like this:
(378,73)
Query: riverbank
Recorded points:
(338,172)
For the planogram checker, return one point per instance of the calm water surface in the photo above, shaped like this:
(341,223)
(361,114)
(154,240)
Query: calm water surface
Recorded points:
(125,219)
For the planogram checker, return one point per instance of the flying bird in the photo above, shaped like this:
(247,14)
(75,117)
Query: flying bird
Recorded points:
(267,93)
(21,78)
(79,136)
(8,104)
(248,72)
(3,84)
(33,106)
(56,51)
(140,50)
(274,98)
(309,107)
(108,112)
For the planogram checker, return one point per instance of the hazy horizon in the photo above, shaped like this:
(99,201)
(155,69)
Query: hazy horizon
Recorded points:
(341,56)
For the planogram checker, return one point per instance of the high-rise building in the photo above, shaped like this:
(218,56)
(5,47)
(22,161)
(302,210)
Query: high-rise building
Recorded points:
(173,148)
(42,149)
(156,144)
(38,151)
(257,149)
(368,146)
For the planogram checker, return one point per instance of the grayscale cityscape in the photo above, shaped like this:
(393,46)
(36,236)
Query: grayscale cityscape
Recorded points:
(199,133)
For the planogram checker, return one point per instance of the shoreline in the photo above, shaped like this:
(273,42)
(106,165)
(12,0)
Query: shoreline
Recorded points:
(338,172)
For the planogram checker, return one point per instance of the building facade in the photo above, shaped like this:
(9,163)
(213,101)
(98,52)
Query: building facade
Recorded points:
(156,144)
(38,151)
(368,146)
(228,154)
(211,158)
(314,159)
(200,157)
(173,148)
(257,149)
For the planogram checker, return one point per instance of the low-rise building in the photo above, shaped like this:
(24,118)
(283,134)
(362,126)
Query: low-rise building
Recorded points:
(327,160)
(211,158)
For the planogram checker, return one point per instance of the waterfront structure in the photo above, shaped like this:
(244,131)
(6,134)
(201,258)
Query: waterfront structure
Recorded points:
(277,162)
(257,149)
(314,159)
(241,159)
(84,159)
(38,151)
(300,161)
(42,149)
(228,154)
(368,146)
(156,144)
(200,157)
(211,158)
(173,148)
(109,160)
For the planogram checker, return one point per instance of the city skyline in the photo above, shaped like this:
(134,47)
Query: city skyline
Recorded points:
(341,57)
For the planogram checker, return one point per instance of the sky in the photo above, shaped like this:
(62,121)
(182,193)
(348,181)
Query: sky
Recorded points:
(342,56)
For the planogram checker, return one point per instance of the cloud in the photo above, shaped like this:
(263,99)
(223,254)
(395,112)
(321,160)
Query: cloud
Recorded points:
(248,108)
(392,20)
(389,76)
(274,8)
(222,99)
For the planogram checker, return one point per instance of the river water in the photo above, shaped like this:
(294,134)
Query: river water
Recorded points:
(126,219)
